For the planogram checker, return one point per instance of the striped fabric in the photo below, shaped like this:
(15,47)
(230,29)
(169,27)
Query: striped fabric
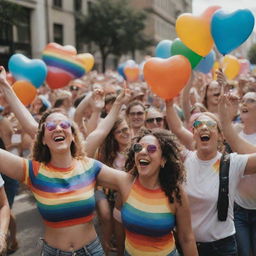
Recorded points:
(149,220)
(64,197)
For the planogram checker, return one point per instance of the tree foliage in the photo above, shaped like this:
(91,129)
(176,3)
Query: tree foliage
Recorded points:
(10,13)
(252,54)
(114,28)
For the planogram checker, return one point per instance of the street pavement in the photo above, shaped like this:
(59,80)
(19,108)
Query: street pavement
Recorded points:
(30,225)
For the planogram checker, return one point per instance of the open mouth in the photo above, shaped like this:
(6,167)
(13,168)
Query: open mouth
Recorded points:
(205,138)
(144,162)
(59,138)
(244,110)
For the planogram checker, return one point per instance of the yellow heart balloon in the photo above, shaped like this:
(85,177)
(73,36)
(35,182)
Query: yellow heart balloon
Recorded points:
(231,66)
(195,33)
(87,60)
(215,67)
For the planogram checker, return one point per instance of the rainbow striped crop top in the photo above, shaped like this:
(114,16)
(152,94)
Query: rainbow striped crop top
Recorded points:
(149,219)
(64,196)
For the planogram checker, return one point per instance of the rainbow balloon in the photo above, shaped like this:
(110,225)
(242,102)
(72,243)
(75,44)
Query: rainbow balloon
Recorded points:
(65,60)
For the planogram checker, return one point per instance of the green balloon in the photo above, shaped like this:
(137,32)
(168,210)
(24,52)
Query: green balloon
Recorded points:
(178,48)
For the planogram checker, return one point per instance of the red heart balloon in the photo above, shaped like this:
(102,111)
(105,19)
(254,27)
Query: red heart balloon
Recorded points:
(167,77)
(57,78)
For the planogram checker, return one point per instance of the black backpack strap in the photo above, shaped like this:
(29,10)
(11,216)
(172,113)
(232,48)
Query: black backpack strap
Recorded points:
(223,199)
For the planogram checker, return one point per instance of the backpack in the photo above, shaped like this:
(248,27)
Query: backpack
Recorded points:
(223,198)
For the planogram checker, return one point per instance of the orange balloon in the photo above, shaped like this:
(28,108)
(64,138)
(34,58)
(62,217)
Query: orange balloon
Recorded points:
(87,60)
(167,77)
(231,66)
(132,73)
(25,91)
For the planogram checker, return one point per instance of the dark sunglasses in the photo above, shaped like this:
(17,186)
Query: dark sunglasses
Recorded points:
(137,147)
(51,126)
(157,119)
(124,130)
(209,124)
(140,113)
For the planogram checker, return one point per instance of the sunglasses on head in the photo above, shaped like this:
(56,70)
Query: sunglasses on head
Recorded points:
(51,126)
(137,147)
(157,119)
(248,101)
(209,124)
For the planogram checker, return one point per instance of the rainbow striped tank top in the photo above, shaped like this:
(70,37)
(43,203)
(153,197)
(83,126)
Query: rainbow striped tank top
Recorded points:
(149,219)
(64,196)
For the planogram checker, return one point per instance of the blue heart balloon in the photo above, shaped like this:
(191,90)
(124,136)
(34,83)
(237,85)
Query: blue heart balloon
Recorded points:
(23,68)
(230,30)
(163,49)
(120,70)
(205,65)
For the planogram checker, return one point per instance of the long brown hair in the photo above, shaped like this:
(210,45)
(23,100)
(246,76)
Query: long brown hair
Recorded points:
(41,152)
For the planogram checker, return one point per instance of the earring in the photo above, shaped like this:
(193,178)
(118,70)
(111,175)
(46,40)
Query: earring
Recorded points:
(162,165)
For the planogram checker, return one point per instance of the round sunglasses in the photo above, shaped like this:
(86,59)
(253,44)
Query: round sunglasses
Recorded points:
(51,126)
(137,147)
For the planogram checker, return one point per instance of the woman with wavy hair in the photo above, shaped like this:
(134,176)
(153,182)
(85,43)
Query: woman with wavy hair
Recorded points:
(156,202)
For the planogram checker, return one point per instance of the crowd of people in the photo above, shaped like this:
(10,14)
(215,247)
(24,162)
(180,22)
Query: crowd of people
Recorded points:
(149,169)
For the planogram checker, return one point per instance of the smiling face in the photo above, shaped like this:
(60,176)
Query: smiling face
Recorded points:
(57,133)
(148,156)
(213,93)
(206,134)
(136,116)
(122,134)
(248,107)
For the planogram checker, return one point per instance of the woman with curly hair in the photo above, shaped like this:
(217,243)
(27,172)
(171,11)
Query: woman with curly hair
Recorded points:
(156,202)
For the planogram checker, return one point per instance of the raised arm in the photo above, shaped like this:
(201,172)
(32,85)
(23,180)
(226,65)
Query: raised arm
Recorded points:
(4,220)
(95,139)
(177,127)
(26,120)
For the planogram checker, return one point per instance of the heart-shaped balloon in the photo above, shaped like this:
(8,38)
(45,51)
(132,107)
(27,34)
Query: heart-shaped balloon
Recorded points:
(23,68)
(231,66)
(132,72)
(25,91)
(88,60)
(178,48)
(205,65)
(208,12)
(167,77)
(163,49)
(62,60)
(230,30)
(194,32)
(216,66)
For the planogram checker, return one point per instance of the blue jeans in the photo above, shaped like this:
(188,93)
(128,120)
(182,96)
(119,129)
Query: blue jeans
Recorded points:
(92,249)
(223,247)
(245,222)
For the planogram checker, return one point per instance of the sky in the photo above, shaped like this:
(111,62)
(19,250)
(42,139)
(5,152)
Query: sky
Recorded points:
(198,6)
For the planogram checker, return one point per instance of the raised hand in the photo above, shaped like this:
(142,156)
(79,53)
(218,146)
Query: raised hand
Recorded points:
(124,97)
(3,79)
(97,100)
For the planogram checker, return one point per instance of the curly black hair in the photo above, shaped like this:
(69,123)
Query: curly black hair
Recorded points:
(172,175)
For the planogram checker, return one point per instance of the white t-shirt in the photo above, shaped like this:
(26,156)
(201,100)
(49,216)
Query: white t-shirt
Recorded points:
(202,187)
(1,181)
(246,193)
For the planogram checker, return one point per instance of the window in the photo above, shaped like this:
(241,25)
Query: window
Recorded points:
(77,5)
(57,3)
(58,33)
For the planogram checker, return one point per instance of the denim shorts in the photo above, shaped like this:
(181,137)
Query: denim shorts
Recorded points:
(92,249)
